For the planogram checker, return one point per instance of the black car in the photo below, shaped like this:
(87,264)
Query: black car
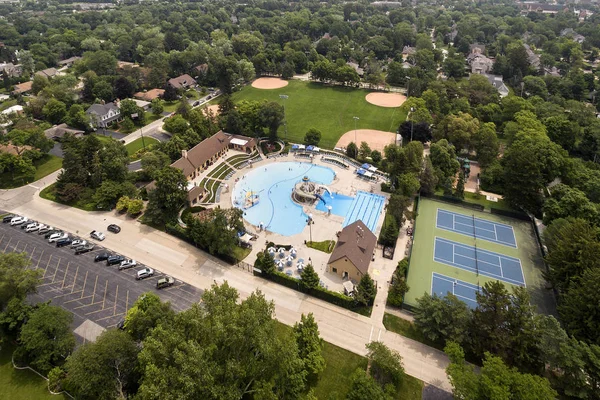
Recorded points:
(112,260)
(64,242)
(101,257)
(114,228)
(7,218)
(84,249)
(50,233)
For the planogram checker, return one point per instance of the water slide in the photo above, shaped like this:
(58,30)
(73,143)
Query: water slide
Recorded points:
(325,188)
(318,196)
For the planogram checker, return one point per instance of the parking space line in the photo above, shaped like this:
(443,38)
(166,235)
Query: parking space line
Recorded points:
(65,277)
(22,251)
(74,280)
(173,287)
(2,238)
(81,298)
(6,247)
(46,269)
(116,300)
(56,270)
(110,316)
(66,294)
(40,260)
(94,292)
(127,301)
(105,291)
(31,255)
(87,305)
(84,283)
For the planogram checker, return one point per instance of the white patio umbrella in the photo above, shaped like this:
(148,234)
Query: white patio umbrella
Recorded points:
(289,259)
(280,264)
(272,249)
(293,253)
(301,261)
(281,252)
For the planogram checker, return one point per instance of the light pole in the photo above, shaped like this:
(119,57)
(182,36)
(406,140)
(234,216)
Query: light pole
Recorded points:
(408,86)
(284,97)
(355,119)
(412,110)
(309,222)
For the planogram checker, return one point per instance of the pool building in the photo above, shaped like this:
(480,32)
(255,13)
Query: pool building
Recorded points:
(353,252)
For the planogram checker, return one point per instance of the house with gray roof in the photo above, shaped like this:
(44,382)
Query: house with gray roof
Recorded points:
(497,82)
(102,115)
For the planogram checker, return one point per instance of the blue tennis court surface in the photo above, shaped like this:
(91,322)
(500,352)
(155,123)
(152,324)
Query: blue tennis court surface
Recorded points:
(442,285)
(488,263)
(476,227)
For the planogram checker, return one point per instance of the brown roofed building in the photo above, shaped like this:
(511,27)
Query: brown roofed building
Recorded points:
(48,73)
(182,82)
(353,252)
(57,132)
(149,95)
(23,87)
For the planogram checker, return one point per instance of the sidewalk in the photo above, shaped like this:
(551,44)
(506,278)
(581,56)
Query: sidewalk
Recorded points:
(166,253)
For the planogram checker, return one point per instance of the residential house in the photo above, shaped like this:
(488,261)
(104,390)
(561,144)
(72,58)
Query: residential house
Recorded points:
(408,51)
(197,159)
(358,69)
(497,82)
(530,6)
(201,69)
(58,131)
(534,59)
(126,64)
(12,70)
(569,32)
(552,71)
(16,109)
(22,88)
(144,105)
(14,149)
(48,73)
(477,48)
(182,82)
(353,252)
(479,63)
(102,115)
(149,95)
(68,62)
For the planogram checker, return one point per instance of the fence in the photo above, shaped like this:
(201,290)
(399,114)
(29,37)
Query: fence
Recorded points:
(454,201)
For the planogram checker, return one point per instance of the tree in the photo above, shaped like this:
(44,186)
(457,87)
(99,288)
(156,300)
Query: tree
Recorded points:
(443,159)
(217,235)
(310,345)
(486,145)
(407,185)
(386,364)
(364,151)
(168,196)
(271,116)
(429,180)
(103,91)
(366,290)
(459,192)
(454,65)
(568,202)
(495,379)
(389,233)
(109,192)
(309,279)
(312,137)
(176,125)
(123,88)
(136,206)
(39,83)
(364,387)
(105,369)
(223,349)
(352,150)
(265,262)
(153,161)
(443,318)
(562,131)
(417,131)
(157,106)
(458,129)
(147,313)
(46,337)
(55,111)
(123,204)
(170,93)
(16,281)
(77,118)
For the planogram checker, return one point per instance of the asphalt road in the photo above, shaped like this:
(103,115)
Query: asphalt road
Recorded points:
(89,290)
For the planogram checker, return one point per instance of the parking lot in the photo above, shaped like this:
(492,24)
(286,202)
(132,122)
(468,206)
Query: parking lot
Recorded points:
(90,290)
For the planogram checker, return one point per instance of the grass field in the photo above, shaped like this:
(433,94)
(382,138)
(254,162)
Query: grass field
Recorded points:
(422,264)
(137,144)
(329,109)
(44,166)
(334,382)
(21,384)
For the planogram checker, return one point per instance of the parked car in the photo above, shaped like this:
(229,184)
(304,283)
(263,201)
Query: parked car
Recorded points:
(97,235)
(45,229)
(78,242)
(27,223)
(32,227)
(114,228)
(84,249)
(129,263)
(164,282)
(18,220)
(115,259)
(7,218)
(101,257)
(51,232)
(63,242)
(144,273)
(57,236)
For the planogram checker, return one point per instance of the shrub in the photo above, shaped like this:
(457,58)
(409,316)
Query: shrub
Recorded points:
(135,207)
(123,204)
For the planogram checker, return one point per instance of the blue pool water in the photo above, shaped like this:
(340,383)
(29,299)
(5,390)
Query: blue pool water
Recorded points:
(278,213)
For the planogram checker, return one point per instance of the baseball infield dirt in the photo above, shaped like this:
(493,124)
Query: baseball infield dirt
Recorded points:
(377,140)
(269,83)
(386,99)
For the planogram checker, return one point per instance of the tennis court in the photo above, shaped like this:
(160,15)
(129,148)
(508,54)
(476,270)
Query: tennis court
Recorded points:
(483,262)
(476,227)
(465,291)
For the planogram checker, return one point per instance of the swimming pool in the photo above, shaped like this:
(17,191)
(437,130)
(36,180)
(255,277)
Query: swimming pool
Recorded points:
(365,206)
(273,184)
(339,203)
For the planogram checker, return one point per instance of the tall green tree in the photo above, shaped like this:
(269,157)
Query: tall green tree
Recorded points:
(366,290)
(578,307)
(147,313)
(219,234)
(310,345)
(168,196)
(443,318)
(386,364)
(16,280)
(309,279)
(364,387)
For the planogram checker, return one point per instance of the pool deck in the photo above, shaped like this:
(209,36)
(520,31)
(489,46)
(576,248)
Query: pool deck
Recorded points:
(325,227)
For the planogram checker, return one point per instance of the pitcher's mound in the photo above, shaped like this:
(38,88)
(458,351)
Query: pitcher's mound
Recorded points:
(269,83)
(377,140)
(386,99)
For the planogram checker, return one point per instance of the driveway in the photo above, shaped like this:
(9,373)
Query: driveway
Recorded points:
(56,150)
(135,165)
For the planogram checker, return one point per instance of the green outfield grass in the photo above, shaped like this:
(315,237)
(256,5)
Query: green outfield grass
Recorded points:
(329,109)
(422,264)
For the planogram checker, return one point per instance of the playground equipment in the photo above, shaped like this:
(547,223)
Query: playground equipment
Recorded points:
(251,200)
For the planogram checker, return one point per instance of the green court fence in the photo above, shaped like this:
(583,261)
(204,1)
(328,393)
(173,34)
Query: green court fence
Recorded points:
(454,201)
(511,214)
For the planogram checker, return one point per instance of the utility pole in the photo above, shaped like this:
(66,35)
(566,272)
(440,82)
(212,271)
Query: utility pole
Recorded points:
(355,119)
(412,110)
(408,86)
(284,97)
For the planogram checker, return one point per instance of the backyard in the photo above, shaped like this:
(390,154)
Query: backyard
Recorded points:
(43,167)
(329,109)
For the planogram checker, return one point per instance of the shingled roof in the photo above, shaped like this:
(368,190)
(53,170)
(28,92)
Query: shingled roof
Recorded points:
(356,243)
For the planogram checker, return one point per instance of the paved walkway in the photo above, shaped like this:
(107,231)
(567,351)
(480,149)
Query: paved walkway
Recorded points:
(175,257)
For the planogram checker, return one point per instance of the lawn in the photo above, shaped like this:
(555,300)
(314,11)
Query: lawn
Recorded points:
(138,144)
(21,384)
(406,329)
(329,109)
(325,246)
(43,167)
(480,199)
(102,138)
(85,203)
(334,382)
(170,106)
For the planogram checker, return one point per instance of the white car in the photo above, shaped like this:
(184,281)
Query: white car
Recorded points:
(78,242)
(144,273)
(97,235)
(129,263)
(18,220)
(32,227)
(57,236)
